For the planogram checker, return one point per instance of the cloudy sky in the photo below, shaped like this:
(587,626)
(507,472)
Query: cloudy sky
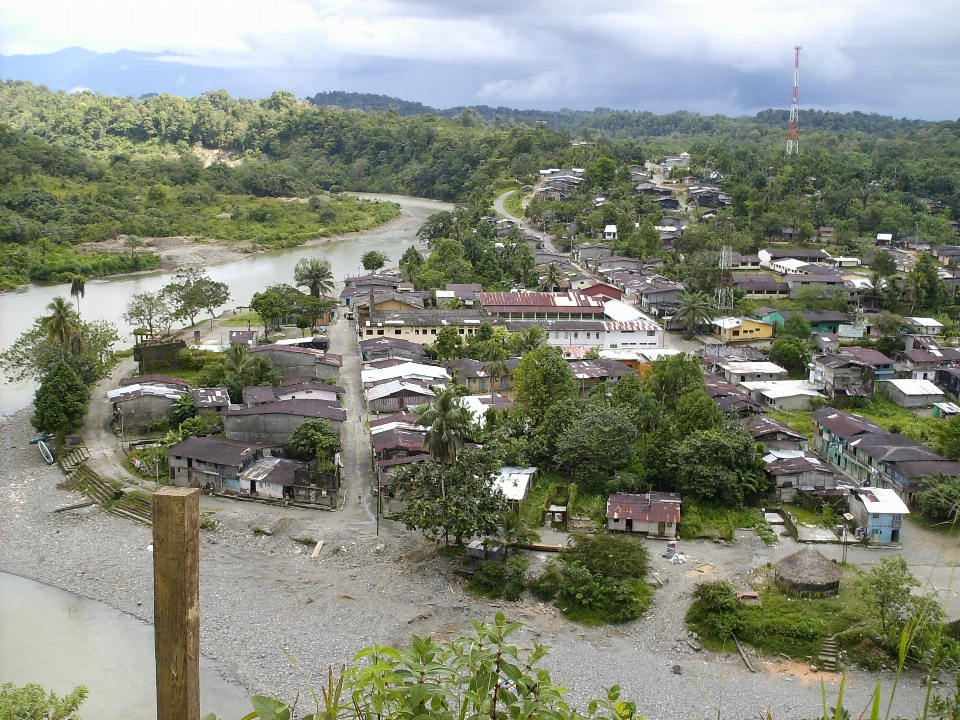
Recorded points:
(732,56)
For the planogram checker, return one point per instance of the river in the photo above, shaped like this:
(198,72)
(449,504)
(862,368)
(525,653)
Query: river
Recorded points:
(106,298)
(60,640)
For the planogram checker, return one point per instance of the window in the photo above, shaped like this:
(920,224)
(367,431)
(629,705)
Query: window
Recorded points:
(379,332)
(398,331)
(577,335)
(369,332)
(461,331)
(503,383)
(651,333)
(566,336)
(433,331)
(736,333)
(556,336)
(483,383)
(417,331)
(876,516)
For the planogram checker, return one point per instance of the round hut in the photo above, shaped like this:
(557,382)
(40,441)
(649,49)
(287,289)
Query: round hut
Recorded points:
(807,573)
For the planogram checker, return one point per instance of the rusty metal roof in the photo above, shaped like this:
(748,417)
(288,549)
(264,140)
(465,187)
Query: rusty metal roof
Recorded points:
(649,507)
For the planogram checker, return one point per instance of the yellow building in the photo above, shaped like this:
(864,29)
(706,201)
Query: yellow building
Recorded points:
(423,326)
(741,329)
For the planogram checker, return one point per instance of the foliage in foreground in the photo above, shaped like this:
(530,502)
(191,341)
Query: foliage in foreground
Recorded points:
(479,676)
(31,702)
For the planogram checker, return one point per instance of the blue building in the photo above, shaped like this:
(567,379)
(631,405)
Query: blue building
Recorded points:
(879,513)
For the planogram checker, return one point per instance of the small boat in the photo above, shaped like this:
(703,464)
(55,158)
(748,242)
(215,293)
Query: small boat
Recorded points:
(37,438)
(45,451)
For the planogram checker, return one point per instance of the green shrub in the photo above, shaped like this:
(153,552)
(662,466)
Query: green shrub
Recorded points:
(490,579)
(31,702)
(547,586)
(715,612)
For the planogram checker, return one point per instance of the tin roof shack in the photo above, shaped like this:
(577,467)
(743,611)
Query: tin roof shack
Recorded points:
(775,435)
(808,574)
(134,406)
(397,395)
(380,348)
(792,471)
(300,362)
(591,373)
(912,393)
(826,342)
(949,380)
(244,337)
(879,513)
(923,364)
(515,483)
(260,394)
(729,399)
(842,376)
(161,380)
(538,306)
(427,374)
(199,461)
(654,513)
(783,394)
(217,399)
(270,477)
(273,422)
(739,372)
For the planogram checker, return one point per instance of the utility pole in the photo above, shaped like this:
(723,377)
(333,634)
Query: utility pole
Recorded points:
(793,130)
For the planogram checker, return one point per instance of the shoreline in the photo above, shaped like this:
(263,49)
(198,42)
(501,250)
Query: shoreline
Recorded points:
(187,252)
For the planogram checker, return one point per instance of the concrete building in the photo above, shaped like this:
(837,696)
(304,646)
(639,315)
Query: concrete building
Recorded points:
(740,372)
(912,393)
(422,326)
(542,306)
(793,471)
(783,394)
(273,422)
(879,513)
(300,362)
(741,329)
(380,348)
(640,334)
(397,395)
(134,406)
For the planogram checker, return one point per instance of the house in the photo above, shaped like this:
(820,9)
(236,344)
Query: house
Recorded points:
(826,342)
(879,513)
(923,364)
(770,255)
(397,395)
(603,291)
(948,379)
(881,364)
(217,461)
(591,373)
(656,293)
(745,262)
(614,263)
(211,399)
(427,374)
(667,202)
(834,436)
(827,284)
(737,372)
(270,477)
(654,513)
(741,329)
(783,394)
(792,471)
(945,409)
(244,337)
(584,252)
(473,375)
(808,574)
(760,286)
(135,406)
(273,422)
(610,232)
(775,435)
(260,394)
(821,321)
(730,400)
(167,381)
(423,326)
(388,301)
(300,362)
(842,376)
(465,292)
(515,483)
(825,234)
(542,306)
(378,348)
(912,393)
(925,325)
(884,239)
(478,405)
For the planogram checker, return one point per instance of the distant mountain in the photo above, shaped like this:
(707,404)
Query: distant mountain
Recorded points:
(130,73)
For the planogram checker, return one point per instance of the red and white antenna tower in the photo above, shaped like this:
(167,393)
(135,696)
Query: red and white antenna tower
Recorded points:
(793,130)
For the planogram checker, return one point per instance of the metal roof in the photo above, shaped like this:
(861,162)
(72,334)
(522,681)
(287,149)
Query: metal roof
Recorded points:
(915,387)
(881,500)
(393,387)
(216,450)
(210,397)
(304,408)
(649,507)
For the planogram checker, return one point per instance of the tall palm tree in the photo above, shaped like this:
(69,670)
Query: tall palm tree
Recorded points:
(526,264)
(238,361)
(61,325)
(528,340)
(694,310)
(78,289)
(914,289)
(496,367)
(447,423)
(552,278)
(315,274)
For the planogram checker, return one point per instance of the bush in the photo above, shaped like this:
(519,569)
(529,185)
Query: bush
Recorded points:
(31,702)
(497,580)
(615,557)
(715,611)
(547,586)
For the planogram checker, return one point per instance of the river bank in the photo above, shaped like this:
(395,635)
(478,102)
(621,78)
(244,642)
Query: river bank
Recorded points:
(263,597)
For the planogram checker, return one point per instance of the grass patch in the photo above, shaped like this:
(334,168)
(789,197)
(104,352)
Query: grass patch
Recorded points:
(713,521)
(305,541)
(514,204)
(899,419)
(798,420)
(451,551)
(260,532)
(241,321)
(208,523)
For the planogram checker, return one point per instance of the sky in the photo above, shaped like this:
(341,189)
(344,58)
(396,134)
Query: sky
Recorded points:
(711,56)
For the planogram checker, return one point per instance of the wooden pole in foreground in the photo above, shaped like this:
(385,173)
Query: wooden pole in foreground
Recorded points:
(176,602)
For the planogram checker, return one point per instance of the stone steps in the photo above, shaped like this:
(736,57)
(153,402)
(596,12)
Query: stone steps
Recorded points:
(828,655)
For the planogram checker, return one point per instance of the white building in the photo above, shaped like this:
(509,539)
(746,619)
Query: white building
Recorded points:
(912,393)
(782,394)
(736,372)
(407,371)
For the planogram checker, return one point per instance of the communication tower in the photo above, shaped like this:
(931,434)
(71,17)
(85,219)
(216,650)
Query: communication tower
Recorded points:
(723,302)
(793,130)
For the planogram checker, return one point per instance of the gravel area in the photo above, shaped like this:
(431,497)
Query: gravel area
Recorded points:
(262,596)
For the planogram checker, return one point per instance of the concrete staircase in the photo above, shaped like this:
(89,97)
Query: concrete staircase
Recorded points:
(72,460)
(827,659)
(128,503)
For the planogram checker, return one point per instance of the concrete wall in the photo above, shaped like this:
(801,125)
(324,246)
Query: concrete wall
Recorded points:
(147,408)
(264,489)
(266,428)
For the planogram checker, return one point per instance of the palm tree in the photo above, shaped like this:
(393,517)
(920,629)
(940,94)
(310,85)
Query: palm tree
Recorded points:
(514,530)
(914,289)
(496,367)
(526,264)
(447,423)
(238,361)
(61,325)
(528,340)
(315,274)
(78,289)
(695,309)
(552,279)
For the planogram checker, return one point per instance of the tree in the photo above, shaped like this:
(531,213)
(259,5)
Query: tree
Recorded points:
(695,411)
(496,367)
(213,296)
(695,309)
(374,260)
(314,273)
(315,439)
(939,497)
(883,264)
(313,308)
(150,311)
(525,263)
(811,297)
(886,589)
(602,171)
(542,378)
(447,422)
(720,464)
(60,401)
(599,442)
(78,289)
(796,326)
(183,409)
(186,294)
(792,353)
(527,340)
(672,376)
(34,354)
(448,345)
(459,499)
(61,325)
(271,306)
(552,278)
(31,702)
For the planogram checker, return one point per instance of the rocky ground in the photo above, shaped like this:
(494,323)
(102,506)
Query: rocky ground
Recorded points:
(263,596)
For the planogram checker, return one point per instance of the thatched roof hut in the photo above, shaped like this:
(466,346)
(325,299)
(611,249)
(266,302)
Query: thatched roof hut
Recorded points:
(807,573)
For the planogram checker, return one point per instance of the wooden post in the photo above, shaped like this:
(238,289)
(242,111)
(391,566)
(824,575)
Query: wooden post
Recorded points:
(176,602)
